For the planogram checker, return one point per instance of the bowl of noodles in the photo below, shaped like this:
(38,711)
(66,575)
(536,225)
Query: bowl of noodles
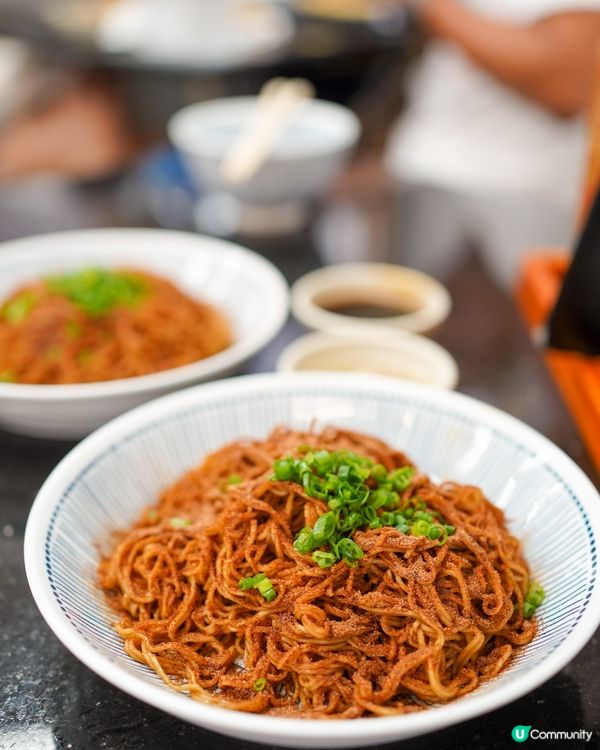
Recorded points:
(318,560)
(95,322)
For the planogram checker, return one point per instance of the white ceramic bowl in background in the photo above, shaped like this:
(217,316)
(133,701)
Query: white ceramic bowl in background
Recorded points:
(194,32)
(355,349)
(302,165)
(428,301)
(105,482)
(249,290)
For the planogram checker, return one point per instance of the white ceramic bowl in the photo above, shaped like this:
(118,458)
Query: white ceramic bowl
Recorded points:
(248,289)
(302,165)
(390,352)
(426,300)
(103,484)
(188,32)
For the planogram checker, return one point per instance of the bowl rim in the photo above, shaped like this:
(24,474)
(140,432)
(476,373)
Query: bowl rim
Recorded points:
(271,729)
(178,125)
(239,351)
(390,339)
(437,302)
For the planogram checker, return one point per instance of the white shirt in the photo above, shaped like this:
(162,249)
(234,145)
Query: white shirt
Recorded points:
(465,129)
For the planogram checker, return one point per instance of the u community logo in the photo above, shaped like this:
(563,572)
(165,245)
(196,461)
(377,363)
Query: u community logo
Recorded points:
(522,732)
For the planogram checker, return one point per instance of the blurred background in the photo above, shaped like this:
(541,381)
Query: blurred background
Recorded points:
(473,136)
(452,136)
(87,88)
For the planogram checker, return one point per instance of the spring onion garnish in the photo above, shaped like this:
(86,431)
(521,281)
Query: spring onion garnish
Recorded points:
(6,376)
(260,684)
(359,494)
(260,582)
(179,523)
(234,479)
(73,329)
(84,355)
(535,596)
(19,307)
(98,291)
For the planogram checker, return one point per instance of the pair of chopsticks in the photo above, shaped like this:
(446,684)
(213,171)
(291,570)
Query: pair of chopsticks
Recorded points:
(278,104)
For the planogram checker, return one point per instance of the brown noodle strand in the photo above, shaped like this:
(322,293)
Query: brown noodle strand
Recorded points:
(165,329)
(415,623)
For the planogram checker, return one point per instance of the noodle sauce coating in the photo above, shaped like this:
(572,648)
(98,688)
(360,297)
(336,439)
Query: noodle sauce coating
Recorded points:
(48,338)
(416,621)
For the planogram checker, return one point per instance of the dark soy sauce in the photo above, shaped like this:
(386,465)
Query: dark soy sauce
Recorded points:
(364,309)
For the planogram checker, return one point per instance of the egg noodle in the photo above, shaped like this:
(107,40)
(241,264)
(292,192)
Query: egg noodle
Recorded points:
(320,575)
(96,325)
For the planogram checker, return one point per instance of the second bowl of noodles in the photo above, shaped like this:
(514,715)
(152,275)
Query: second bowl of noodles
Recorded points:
(95,322)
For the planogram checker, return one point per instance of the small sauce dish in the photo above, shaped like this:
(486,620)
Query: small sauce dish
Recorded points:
(370,294)
(390,352)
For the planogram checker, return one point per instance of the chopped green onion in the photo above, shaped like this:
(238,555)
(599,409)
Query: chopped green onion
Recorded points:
(323,559)
(422,516)
(420,528)
(260,582)
(6,376)
(234,479)
(379,473)
(536,594)
(260,684)
(379,498)
(152,515)
(401,478)
(304,541)
(84,355)
(179,523)
(18,308)
(349,550)
(323,528)
(284,469)
(535,597)
(73,329)
(264,585)
(450,529)
(358,493)
(528,609)
(369,513)
(97,291)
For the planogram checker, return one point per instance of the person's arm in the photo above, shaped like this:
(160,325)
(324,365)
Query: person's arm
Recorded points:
(552,61)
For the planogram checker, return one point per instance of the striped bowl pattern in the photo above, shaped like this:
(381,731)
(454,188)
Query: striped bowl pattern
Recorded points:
(103,484)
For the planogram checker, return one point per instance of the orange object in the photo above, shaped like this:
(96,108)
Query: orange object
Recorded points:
(542,272)
(576,375)
(538,286)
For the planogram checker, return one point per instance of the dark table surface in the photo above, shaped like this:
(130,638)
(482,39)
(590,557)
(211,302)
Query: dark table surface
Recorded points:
(49,700)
